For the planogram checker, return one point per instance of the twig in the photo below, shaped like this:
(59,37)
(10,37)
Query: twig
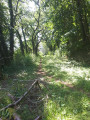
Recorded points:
(38,85)
(38,118)
(20,99)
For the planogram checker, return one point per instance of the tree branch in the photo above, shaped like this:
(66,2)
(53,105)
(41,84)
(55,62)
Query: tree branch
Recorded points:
(20,99)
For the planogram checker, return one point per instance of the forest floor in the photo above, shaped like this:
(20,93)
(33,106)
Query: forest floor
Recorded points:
(63,95)
(69,86)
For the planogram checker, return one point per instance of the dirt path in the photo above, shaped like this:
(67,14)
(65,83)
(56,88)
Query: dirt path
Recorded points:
(40,72)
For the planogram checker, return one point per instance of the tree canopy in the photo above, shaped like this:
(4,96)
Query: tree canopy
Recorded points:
(62,24)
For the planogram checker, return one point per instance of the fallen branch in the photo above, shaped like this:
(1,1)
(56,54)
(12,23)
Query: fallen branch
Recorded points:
(16,116)
(4,89)
(38,118)
(38,85)
(11,97)
(20,99)
(36,102)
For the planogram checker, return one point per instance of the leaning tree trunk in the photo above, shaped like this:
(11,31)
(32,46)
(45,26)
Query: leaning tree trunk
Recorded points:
(21,43)
(11,28)
(25,40)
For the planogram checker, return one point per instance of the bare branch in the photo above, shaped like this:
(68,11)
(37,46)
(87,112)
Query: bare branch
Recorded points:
(21,98)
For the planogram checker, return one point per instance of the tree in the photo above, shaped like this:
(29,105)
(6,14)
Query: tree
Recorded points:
(4,52)
(11,28)
(21,43)
(24,40)
(82,13)
(70,23)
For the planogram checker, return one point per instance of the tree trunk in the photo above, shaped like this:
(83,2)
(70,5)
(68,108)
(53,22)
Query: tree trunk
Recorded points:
(36,50)
(21,43)
(86,21)
(3,47)
(33,45)
(24,40)
(81,19)
(11,28)
(54,48)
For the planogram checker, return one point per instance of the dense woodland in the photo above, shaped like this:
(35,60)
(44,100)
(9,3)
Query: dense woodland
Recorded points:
(49,35)
(61,24)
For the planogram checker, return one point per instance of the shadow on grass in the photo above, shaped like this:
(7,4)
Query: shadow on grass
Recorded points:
(28,109)
(24,69)
(51,70)
(82,84)
(63,103)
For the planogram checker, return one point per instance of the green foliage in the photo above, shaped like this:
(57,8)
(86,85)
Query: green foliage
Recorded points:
(22,62)
(7,114)
(4,101)
(70,21)
(83,84)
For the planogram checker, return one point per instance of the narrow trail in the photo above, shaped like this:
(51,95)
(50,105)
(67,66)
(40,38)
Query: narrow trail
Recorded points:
(26,98)
(40,72)
(42,76)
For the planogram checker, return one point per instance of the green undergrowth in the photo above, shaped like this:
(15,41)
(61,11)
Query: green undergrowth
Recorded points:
(60,101)
(18,78)
(22,66)
(65,103)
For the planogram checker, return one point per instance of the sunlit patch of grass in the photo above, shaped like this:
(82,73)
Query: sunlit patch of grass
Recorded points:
(65,103)
(7,114)
(83,84)
(65,70)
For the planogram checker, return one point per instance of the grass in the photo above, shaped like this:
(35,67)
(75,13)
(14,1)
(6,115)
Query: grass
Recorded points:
(62,102)
(65,103)
(16,83)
